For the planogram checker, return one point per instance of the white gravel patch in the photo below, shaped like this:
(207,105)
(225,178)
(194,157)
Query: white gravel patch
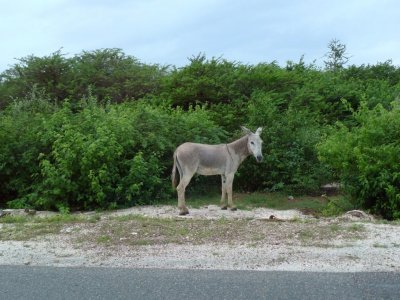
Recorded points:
(211,212)
(378,251)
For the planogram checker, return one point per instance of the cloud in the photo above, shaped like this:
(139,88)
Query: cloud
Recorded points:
(167,32)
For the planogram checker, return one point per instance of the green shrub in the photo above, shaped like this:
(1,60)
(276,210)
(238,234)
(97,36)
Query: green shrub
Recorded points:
(337,206)
(290,157)
(97,157)
(21,143)
(366,158)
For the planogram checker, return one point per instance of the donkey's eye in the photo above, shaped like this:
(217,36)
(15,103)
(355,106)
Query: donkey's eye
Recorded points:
(252,143)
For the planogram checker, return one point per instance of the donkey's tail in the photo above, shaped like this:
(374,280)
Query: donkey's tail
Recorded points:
(174,181)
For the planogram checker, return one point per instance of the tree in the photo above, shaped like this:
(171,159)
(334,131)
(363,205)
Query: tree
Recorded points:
(113,75)
(337,56)
(110,74)
(50,74)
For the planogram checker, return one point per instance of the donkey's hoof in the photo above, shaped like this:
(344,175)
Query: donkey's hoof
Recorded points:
(224,207)
(234,209)
(184,213)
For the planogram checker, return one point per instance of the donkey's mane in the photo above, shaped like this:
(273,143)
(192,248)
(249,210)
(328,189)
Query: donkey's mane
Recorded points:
(240,146)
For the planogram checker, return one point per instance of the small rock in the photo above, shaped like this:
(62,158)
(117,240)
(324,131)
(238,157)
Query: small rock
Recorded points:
(30,212)
(212,207)
(331,188)
(359,214)
(356,215)
(67,230)
(3,213)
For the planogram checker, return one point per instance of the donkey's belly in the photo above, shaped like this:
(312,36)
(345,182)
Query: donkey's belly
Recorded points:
(209,170)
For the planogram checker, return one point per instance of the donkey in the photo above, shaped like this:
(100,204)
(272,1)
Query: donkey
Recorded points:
(223,159)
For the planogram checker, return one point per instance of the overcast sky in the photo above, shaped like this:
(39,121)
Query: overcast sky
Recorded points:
(170,31)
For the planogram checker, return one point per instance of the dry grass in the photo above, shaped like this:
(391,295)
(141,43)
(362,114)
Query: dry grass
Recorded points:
(24,228)
(138,230)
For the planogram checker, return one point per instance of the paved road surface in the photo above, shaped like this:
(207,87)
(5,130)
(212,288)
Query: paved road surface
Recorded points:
(26,282)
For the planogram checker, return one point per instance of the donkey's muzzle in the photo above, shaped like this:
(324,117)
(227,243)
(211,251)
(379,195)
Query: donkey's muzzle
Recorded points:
(259,158)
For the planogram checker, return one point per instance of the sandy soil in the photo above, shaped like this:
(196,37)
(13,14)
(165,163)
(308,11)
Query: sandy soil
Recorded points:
(260,239)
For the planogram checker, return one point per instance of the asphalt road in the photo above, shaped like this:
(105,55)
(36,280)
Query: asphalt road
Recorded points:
(26,282)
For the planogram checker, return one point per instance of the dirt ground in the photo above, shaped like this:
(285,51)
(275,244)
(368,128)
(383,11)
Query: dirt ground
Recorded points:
(209,238)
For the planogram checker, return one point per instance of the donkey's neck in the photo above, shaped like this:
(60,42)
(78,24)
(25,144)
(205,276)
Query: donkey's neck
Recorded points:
(240,148)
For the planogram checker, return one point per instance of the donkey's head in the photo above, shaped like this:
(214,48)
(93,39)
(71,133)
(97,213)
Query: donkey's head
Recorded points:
(254,143)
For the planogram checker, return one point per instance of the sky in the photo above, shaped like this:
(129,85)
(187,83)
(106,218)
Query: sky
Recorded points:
(168,32)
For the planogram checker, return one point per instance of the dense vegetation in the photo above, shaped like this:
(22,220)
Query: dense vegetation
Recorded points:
(98,130)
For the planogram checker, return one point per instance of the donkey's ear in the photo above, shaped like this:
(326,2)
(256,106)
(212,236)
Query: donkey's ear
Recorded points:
(259,130)
(246,130)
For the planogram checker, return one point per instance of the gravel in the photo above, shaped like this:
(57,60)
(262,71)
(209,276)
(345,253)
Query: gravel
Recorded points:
(259,239)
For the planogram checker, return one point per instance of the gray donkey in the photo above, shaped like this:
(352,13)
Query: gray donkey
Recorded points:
(223,159)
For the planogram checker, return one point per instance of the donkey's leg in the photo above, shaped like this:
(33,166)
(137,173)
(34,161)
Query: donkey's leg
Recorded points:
(181,194)
(229,183)
(223,195)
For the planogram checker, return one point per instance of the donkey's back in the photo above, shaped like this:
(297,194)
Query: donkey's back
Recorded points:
(202,159)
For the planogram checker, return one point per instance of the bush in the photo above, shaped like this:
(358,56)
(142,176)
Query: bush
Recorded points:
(290,158)
(21,144)
(337,206)
(202,81)
(366,158)
(97,157)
